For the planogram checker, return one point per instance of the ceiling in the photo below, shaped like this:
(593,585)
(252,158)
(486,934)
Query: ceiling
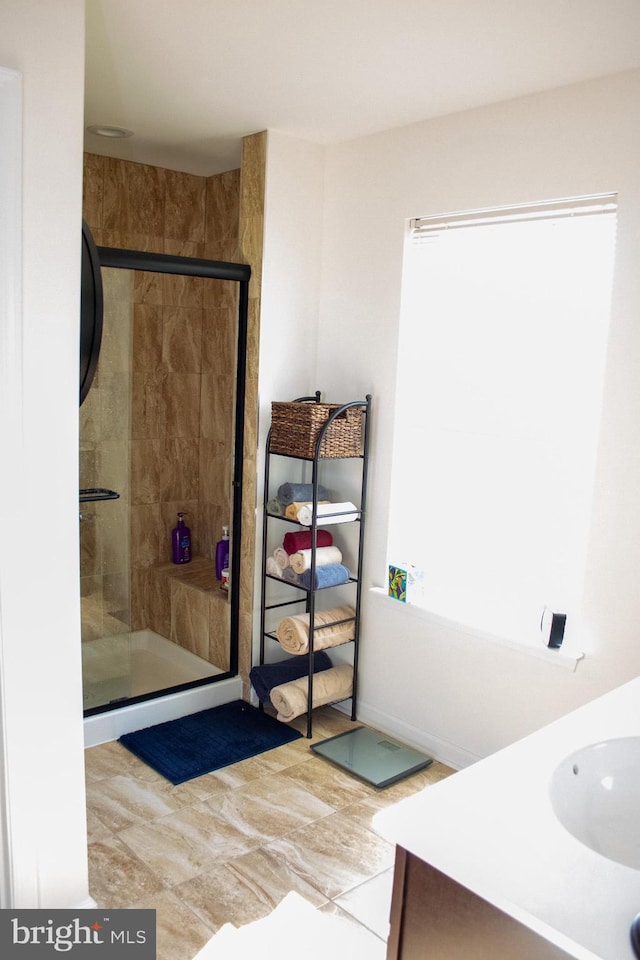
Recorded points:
(191,78)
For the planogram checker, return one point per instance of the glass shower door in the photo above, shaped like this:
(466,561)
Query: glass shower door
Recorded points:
(157,437)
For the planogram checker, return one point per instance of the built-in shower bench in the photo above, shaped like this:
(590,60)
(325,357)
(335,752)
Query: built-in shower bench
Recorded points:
(186,604)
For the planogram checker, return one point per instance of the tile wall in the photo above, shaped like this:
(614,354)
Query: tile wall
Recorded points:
(252,194)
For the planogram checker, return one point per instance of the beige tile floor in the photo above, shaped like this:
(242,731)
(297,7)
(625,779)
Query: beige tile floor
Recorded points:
(228,846)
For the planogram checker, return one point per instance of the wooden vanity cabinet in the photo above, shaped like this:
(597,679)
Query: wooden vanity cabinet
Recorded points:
(432,916)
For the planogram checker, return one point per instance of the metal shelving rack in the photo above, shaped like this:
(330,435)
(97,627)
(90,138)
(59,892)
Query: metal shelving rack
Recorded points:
(309,596)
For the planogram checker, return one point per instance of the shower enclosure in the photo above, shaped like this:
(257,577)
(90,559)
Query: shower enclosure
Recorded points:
(161,431)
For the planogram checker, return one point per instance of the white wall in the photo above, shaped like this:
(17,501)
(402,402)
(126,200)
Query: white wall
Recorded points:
(289,294)
(456,694)
(43,775)
(291,267)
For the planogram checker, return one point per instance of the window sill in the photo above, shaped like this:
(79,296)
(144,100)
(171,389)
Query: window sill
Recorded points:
(561,658)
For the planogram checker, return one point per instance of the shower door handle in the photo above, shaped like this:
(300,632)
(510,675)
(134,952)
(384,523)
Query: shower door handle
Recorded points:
(97,493)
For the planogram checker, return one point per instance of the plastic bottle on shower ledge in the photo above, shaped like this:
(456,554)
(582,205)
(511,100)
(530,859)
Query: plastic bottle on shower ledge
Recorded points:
(181,542)
(222,553)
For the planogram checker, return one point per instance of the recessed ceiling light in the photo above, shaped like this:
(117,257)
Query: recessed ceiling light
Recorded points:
(107,130)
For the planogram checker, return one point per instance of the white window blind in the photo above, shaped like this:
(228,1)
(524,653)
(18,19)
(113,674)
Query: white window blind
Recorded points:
(422,227)
(501,364)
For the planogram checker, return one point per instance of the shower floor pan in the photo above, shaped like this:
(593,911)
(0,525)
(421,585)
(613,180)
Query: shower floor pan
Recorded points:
(128,665)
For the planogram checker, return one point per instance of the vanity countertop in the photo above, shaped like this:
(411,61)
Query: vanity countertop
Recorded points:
(491,828)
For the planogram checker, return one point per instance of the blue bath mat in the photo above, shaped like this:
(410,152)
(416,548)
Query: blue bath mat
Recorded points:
(209,740)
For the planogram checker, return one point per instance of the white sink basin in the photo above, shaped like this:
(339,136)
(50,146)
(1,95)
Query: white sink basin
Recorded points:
(595,793)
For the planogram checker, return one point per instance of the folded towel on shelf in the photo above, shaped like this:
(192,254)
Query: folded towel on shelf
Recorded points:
(290,492)
(293,510)
(328,576)
(293,632)
(264,677)
(290,575)
(301,560)
(290,699)
(273,569)
(276,507)
(281,557)
(327,513)
(301,540)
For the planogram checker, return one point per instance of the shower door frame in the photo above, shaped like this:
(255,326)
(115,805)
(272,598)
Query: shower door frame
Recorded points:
(240,273)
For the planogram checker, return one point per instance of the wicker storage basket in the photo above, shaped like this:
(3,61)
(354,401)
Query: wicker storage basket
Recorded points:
(295,428)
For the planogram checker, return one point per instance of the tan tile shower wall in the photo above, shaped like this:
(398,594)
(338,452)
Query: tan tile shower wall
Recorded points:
(183,342)
(252,194)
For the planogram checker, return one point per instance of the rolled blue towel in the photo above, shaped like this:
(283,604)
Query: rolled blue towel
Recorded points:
(300,493)
(266,676)
(327,575)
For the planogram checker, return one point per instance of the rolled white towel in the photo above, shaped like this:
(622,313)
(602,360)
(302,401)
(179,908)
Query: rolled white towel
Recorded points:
(292,511)
(327,513)
(281,557)
(273,569)
(301,560)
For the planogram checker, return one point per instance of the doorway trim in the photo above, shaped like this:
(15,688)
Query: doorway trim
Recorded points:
(11,482)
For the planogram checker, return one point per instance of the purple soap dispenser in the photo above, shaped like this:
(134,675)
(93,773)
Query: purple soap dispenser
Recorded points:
(181,542)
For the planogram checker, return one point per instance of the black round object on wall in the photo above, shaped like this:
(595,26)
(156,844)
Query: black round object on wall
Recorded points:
(91,307)
(635,935)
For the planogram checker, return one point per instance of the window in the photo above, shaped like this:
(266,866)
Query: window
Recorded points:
(501,363)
